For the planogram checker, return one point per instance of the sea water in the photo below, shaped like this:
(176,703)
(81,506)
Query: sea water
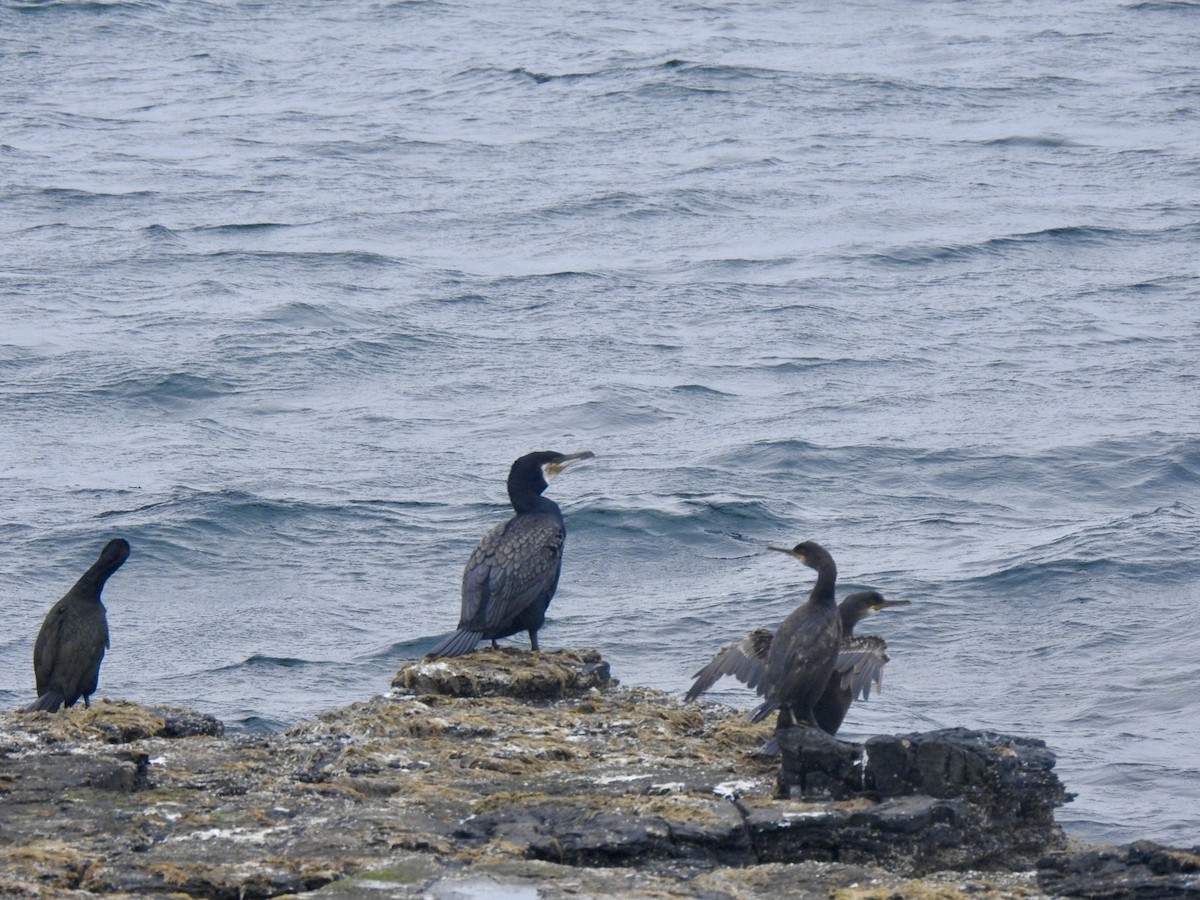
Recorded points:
(286,287)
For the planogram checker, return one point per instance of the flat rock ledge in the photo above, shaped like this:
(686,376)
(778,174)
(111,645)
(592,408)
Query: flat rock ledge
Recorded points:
(506,773)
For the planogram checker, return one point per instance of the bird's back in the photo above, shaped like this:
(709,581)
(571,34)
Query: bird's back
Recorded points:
(802,655)
(514,570)
(70,647)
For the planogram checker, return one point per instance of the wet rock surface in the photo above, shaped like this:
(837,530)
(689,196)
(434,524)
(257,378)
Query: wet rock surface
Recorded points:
(506,772)
(1142,870)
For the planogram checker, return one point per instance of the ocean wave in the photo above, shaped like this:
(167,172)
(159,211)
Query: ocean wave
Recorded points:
(1073,236)
(242,228)
(201,530)
(1164,6)
(1148,547)
(1052,141)
(308,260)
(69,196)
(1003,247)
(695,520)
(264,661)
(84,387)
(92,6)
(412,648)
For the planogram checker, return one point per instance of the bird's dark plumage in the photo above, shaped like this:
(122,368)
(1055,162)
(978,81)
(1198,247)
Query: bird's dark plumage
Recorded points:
(860,661)
(859,664)
(74,636)
(512,575)
(805,646)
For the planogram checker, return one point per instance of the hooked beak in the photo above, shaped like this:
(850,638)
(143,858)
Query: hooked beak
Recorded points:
(567,459)
(888,604)
(789,551)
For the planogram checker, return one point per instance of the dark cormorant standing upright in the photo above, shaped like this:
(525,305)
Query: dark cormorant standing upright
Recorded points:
(71,644)
(859,663)
(860,660)
(805,646)
(511,577)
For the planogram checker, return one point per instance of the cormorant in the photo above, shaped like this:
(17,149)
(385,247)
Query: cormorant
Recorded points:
(805,646)
(511,577)
(860,660)
(859,663)
(71,644)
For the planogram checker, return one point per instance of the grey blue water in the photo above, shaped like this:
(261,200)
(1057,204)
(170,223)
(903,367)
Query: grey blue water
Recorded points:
(286,287)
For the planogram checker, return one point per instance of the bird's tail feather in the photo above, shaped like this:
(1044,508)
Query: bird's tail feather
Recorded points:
(47,702)
(457,644)
(763,710)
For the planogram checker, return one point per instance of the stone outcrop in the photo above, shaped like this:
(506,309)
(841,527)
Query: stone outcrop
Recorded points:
(1142,870)
(508,673)
(505,771)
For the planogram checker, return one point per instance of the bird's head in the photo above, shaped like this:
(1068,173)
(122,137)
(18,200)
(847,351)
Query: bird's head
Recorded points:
(534,471)
(115,552)
(857,607)
(810,553)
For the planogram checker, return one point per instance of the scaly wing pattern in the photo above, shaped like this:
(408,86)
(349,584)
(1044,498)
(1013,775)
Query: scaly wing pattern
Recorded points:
(860,662)
(515,566)
(745,660)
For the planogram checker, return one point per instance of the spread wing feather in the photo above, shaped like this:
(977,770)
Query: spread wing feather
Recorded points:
(860,661)
(745,660)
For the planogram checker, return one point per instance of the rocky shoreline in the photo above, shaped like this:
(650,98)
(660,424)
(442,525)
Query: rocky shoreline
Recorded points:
(510,774)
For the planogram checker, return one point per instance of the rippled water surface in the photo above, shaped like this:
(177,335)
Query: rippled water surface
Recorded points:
(286,287)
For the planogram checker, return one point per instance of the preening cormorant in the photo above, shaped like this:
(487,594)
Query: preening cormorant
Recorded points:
(511,577)
(71,644)
(860,662)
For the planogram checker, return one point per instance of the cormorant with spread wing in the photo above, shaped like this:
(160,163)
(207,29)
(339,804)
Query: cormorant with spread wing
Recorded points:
(860,662)
(802,653)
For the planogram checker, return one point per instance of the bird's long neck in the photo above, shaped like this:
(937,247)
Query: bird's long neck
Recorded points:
(823,590)
(91,583)
(527,502)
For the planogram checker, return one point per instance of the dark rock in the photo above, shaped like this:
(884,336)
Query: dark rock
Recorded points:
(1008,781)
(1139,871)
(956,762)
(44,777)
(793,832)
(121,722)
(208,881)
(950,799)
(594,835)
(817,766)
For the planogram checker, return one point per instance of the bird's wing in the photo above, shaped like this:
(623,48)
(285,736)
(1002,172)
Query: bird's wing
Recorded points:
(860,662)
(746,661)
(515,565)
(49,642)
